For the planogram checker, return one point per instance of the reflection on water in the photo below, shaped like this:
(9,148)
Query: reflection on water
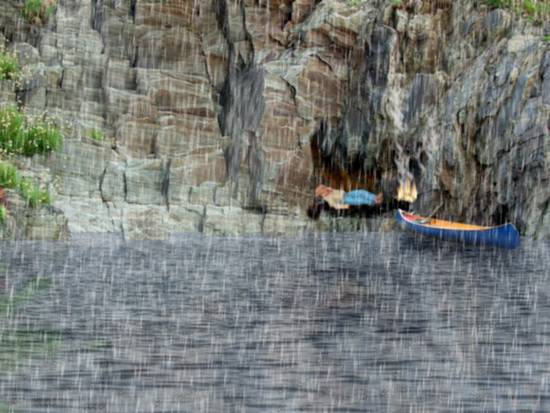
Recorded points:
(358,322)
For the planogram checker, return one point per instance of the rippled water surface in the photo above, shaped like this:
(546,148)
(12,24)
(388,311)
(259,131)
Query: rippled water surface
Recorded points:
(360,322)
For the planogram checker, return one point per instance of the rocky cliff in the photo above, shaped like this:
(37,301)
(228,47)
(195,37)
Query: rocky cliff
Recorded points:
(221,116)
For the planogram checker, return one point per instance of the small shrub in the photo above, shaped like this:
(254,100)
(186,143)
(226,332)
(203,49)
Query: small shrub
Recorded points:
(38,11)
(96,135)
(9,67)
(529,7)
(20,136)
(31,10)
(547,38)
(32,194)
(397,3)
(9,178)
(41,137)
(536,11)
(3,214)
(493,3)
(354,3)
(12,129)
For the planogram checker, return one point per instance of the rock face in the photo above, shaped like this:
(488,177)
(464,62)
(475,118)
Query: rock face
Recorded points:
(221,116)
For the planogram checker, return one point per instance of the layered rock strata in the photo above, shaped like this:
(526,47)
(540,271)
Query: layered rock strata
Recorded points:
(220,116)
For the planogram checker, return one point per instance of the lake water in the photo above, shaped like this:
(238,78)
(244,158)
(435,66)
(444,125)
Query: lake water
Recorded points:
(335,323)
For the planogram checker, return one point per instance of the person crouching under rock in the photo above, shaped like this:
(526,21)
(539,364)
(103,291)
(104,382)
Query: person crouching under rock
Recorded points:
(341,200)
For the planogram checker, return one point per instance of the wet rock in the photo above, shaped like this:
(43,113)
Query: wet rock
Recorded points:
(144,182)
(79,166)
(46,224)
(186,219)
(197,168)
(112,184)
(86,215)
(137,137)
(286,225)
(39,223)
(226,107)
(231,221)
(26,54)
(203,194)
(137,222)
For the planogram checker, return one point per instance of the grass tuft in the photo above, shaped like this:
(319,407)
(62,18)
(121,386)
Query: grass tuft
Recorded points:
(38,11)
(537,11)
(96,135)
(9,66)
(20,136)
(3,214)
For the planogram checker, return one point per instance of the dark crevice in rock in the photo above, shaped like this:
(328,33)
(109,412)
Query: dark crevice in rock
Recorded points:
(221,17)
(255,169)
(134,60)
(262,221)
(243,105)
(242,102)
(122,230)
(248,37)
(545,211)
(101,179)
(132,10)
(125,186)
(202,221)
(342,145)
(96,18)
(61,78)
(501,215)
(287,16)
(331,164)
(165,182)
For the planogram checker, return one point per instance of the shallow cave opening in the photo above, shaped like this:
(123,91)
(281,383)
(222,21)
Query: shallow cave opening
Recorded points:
(501,215)
(332,169)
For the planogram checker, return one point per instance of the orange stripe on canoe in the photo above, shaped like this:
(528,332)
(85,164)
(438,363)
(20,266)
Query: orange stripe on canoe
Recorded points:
(439,223)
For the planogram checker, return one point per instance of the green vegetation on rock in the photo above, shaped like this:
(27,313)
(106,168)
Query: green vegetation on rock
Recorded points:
(31,193)
(537,11)
(3,214)
(96,135)
(42,137)
(354,3)
(9,178)
(12,125)
(38,11)
(9,67)
(19,135)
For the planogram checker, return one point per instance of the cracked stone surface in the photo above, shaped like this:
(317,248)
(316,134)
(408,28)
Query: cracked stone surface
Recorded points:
(221,116)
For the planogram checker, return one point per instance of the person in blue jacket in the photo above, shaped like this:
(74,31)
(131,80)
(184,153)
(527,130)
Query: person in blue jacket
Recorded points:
(360,197)
(338,199)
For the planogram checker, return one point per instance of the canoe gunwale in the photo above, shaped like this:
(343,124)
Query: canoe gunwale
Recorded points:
(505,236)
(476,228)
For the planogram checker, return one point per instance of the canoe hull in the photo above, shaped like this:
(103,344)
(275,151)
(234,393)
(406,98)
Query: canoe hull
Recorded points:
(503,236)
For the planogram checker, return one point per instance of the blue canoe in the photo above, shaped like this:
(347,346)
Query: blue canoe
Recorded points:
(504,236)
